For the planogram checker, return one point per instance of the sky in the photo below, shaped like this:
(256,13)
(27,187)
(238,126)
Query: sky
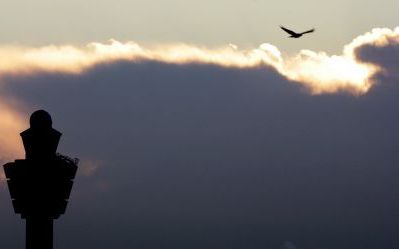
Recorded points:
(246,23)
(200,125)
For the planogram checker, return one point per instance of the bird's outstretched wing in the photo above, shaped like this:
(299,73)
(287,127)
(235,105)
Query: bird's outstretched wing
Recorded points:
(288,31)
(309,31)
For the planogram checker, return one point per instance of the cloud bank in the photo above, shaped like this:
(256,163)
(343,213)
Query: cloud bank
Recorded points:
(353,71)
(187,147)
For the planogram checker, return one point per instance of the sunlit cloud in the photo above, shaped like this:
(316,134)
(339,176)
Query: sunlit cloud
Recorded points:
(377,37)
(322,73)
(317,71)
(12,124)
(2,178)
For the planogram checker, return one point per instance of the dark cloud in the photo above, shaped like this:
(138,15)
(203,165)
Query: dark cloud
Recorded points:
(385,56)
(200,156)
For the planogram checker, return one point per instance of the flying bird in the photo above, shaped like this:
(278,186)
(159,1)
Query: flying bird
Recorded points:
(294,34)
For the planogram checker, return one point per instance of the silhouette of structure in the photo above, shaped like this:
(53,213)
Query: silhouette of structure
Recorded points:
(294,34)
(40,185)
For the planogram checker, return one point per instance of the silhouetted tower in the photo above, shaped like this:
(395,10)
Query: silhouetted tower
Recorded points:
(40,185)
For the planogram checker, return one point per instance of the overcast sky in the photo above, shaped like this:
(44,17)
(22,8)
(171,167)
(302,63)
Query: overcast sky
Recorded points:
(246,23)
(201,126)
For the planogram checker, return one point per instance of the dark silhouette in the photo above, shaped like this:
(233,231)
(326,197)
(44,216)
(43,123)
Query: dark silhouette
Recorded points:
(294,34)
(40,185)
